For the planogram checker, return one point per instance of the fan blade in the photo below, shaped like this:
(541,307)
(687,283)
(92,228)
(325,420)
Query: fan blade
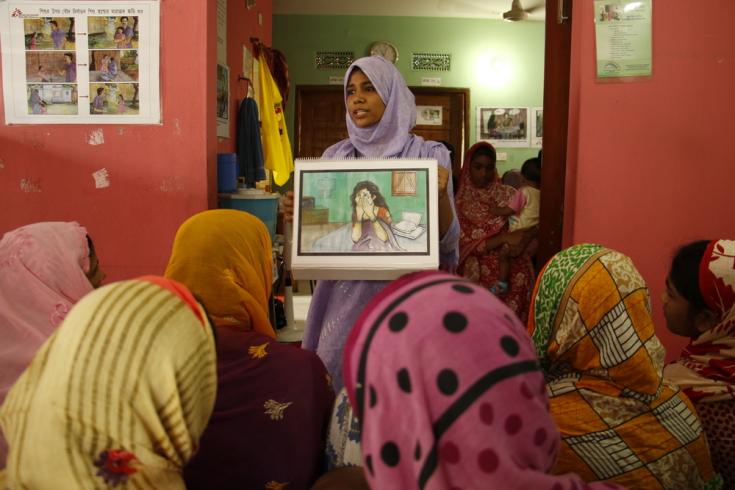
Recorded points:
(533,8)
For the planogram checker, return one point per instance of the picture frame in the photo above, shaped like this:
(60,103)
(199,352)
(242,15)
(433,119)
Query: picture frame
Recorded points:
(429,115)
(348,224)
(503,126)
(223,101)
(537,126)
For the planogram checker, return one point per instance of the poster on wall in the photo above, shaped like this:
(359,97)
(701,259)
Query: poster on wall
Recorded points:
(623,38)
(80,62)
(223,101)
(537,126)
(503,126)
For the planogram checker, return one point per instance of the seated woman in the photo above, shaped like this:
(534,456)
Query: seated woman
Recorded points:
(480,192)
(44,269)
(371,220)
(699,303)
(591,323)
(119,395)
(273,400)
(446,385)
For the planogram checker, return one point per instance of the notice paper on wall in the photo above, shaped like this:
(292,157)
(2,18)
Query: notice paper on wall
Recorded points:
(623,38)
(81,62)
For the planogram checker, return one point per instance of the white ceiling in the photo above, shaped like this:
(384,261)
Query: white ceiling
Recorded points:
(480,9)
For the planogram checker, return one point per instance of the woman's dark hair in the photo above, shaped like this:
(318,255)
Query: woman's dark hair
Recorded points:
(90,245)
(684,273)
(486,151)
(373,189)
(531,170)
(100,90)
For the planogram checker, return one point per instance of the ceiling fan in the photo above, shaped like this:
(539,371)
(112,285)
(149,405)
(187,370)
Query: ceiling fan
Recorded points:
(517,12)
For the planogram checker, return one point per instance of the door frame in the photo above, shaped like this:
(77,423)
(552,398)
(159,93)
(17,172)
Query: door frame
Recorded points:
(557,63)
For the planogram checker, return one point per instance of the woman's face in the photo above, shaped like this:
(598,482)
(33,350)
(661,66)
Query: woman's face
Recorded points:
(95,274)
(365,196)
(482,171)
(678,312)
(364,105)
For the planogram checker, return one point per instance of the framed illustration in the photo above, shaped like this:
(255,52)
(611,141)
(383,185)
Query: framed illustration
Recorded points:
(223,101)
(503,126)
(537,126)
(74,62)
(364,219)
(429,115)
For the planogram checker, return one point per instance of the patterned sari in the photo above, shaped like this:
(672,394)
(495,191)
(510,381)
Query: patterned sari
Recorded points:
(477,224)
(591,323)
(706,369)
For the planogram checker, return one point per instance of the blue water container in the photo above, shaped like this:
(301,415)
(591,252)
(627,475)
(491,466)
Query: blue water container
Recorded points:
(262,204)
(226,172)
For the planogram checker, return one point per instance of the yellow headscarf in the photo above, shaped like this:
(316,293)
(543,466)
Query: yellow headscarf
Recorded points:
(120,393)
(224,257)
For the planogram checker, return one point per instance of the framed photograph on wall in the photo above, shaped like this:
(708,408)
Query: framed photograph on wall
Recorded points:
(429,115)
(364,219)
(537,126)
(503,126)
(223,101)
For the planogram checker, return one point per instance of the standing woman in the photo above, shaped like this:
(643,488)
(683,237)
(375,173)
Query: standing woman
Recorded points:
(44,269)
(480,192)
(119,395)
(380,114)
(699,303)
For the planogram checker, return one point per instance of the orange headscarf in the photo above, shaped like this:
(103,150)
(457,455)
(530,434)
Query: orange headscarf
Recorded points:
(224,257)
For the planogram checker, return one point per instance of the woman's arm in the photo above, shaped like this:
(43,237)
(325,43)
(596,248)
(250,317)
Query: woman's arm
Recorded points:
(371,214)
(446,213)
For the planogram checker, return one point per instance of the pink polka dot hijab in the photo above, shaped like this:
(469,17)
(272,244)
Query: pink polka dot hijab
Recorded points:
(449,393)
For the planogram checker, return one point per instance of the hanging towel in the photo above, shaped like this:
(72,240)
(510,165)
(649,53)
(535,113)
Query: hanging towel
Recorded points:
(276,146)
(249,148)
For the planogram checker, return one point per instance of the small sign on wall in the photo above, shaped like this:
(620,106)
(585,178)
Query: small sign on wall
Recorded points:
(431,81)
(336,80)
(623,38)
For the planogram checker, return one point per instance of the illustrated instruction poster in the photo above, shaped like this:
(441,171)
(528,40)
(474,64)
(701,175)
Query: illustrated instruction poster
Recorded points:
(80,62)
(623,37)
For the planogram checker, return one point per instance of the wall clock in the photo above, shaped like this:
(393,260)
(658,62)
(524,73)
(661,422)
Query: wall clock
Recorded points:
(384,49)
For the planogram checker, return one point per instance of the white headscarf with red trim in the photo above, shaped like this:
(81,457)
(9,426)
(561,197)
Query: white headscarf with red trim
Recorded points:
(706,370)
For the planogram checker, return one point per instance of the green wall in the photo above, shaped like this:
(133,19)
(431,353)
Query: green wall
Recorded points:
(332,190)
(519,47)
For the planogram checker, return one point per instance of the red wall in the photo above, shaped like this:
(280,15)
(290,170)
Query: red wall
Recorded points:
(159,175)
(242,24)
(651,163)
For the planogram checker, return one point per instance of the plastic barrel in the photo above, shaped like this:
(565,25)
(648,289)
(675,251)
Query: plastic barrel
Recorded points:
(262,205)
(226,172)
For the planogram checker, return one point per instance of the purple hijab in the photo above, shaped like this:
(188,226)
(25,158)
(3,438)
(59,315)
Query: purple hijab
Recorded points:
(336,305)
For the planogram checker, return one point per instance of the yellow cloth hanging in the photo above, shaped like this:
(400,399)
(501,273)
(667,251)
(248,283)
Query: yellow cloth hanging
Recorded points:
(276,145)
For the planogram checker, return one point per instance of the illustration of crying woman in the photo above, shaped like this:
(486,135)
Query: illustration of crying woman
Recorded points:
(371,221)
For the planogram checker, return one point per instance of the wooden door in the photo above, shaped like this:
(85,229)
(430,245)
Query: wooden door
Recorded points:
(320,118)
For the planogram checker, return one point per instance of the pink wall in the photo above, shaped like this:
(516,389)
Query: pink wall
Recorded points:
(242,24)
(159,175)
(651,163)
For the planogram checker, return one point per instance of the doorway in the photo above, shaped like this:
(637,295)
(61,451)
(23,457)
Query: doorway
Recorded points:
(319,121)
